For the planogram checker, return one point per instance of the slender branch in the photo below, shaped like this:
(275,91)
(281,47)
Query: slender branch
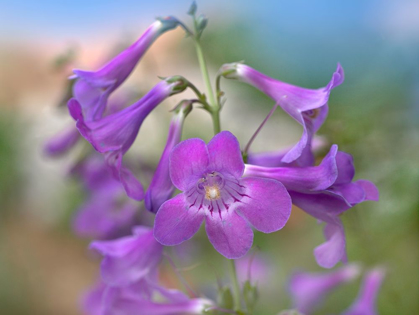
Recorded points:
(236,286)
(181,278)
(246,149)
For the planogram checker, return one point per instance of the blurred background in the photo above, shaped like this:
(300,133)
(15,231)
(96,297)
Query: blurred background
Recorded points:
(44,268)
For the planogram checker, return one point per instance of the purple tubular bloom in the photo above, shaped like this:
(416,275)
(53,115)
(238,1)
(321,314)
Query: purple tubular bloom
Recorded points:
(137,298)
(303,179)
(273,159)
(92,89)
(114,134)
(161,187)
(324,192)
(210,177)
(309,289)
(106,213)
(130,258)
(365,302)
(61,143)
(307,106)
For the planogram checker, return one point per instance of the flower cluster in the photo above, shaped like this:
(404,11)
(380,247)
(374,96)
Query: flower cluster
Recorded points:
(222,184)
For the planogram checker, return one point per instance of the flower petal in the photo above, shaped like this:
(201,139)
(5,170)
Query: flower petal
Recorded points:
(176,222)
(188,161)
(231,236)
(333,250)
(312,178)
(371,191)
(346,169)
(62,142)
(269,205)
(129,259)
(225,155)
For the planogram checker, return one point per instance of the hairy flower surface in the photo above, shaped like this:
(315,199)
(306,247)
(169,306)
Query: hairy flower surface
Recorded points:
(114,134)
(309,289)
(307,106)
(210,177)
(92,89)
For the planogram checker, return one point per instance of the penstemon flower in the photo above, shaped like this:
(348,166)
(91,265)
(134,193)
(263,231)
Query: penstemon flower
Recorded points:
(307,106)
(161,187)
(107,211)
(210,177)
(130,258)
(309,289)
(365,302)
(215,184)
(114,134)
(92,89)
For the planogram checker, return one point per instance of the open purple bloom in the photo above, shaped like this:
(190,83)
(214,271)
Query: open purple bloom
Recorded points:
(130,258)
(114,134)
(210,177)
(365,302)
(92,89)
(307,106)
(161,187)
(309,289)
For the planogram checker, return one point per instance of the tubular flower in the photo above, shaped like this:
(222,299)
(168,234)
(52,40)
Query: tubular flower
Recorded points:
(114,134)
(138,298)
(365,302)
(107,211)
(161,187)
(274,158)
(210,177)
(307,106)
(92,89)
(309,289)
(325,192)
(130,258)
(62,143)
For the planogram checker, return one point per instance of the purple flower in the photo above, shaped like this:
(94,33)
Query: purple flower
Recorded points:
(365,302)
(114,134)
(161,187)
(307,106)
(130,258)
(274,159)
(210,177)
(309,289)
(138,298)
(92,89)
(323,191)
(107,212)
(62,143)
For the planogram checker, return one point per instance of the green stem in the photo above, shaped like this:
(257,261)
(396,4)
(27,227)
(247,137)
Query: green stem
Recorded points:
(214,105)
(236,287)
(204,71)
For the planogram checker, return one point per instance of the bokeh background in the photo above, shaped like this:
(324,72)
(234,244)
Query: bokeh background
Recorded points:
(374,115)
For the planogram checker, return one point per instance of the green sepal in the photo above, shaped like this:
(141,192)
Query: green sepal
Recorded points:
(225,298)
(192,8)
(250,295)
